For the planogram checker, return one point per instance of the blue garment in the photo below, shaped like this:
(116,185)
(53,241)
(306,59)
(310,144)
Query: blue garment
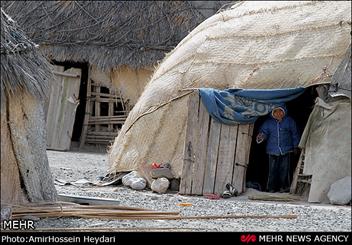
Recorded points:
(282,137)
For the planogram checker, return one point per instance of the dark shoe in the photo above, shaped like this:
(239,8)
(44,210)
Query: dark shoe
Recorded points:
(226,194)
(231,191)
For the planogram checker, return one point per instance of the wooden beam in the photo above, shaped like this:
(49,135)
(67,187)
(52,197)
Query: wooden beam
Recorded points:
(190,144)
(111,113)
(201,152)
(87,114)
(212,156)
(66,74)
(226,155)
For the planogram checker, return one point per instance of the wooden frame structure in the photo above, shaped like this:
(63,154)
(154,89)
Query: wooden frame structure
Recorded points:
(105,115)
(105,110)
(215,154)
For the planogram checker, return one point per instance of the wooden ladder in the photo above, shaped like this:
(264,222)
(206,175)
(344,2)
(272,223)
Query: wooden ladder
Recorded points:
(298,176)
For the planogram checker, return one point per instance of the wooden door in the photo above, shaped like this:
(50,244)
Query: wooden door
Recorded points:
(214,154)
(63,102)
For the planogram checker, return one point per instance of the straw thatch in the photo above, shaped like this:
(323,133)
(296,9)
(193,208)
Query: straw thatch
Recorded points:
(22,66)
(25,173)
(109,33)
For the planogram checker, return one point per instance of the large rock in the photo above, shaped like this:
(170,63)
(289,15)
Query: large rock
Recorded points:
(160,185)
(340,191)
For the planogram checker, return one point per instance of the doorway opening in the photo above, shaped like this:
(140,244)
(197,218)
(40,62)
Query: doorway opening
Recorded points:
(82,97)
(299,109)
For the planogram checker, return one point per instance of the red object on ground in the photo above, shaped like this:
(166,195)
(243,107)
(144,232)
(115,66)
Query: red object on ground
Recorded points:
(155,165)
(211,196)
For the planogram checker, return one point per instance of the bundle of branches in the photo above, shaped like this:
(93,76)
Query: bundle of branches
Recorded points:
(63,209)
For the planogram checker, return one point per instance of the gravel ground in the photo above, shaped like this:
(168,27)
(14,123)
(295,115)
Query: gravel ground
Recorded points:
(72,166)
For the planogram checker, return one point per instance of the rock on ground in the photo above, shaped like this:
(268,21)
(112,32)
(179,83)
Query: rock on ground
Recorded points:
(340,191)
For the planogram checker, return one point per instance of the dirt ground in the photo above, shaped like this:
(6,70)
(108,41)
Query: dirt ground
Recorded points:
(73,166)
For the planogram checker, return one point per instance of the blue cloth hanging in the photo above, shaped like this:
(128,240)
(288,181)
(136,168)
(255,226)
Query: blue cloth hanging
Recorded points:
(243,106)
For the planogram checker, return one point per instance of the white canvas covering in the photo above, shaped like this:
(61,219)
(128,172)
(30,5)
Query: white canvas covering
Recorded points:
(327,143)
(253,45)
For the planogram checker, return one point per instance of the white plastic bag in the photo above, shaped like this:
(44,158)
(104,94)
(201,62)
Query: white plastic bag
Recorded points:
(127,179)
(134,180)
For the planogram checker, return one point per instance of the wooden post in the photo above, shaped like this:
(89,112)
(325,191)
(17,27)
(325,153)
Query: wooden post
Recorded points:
(212,157)
(190,145)
(87,113)
(111,113)
(97,105)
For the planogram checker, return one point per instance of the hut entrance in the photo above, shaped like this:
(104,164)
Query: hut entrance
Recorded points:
(215,154)
(299,109)
(81,111)
(65,108)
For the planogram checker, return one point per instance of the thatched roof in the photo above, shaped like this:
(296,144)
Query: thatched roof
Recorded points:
(22,66)
(110,33)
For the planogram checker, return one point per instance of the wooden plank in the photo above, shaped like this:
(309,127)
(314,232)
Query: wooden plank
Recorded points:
(100,142)
(100,137)
(111,113)
(106,100)
(226,155)
(249,143)
(108,117)
(212,156)
(101,133)
(190,144)
(70,104)
(53,108)
(94,137)
(107,121)
(97,105)
(62,111)
(199,164)
(59,73)
(106,95)
(240,167)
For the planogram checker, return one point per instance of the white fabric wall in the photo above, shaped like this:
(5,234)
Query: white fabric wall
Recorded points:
(327,143)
